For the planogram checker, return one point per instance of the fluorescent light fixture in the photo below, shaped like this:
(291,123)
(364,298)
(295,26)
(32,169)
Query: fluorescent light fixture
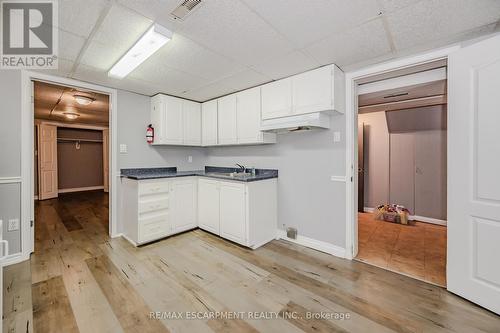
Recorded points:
(83,100)
(71,115)
(154,38)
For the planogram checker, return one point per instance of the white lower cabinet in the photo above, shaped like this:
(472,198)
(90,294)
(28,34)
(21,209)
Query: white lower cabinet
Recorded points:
(184,204)
(245,213)
(208,205)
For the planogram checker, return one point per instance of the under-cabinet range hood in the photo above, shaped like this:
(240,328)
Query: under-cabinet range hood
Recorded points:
(296,123)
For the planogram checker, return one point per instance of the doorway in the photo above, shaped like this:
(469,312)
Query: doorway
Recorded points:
(401,217)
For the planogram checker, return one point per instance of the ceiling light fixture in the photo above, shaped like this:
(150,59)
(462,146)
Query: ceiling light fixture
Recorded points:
(71,115)
(154,38)
(83,100)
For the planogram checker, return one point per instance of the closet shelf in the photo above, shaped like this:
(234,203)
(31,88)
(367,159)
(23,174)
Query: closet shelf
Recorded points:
(77,140)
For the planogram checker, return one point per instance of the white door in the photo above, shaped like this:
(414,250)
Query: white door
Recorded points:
(277,99)
(192,123)
(233,224)
(208,205)
(47,157)
(174,126)
(312,91)
(183,199)
(4,248)
(209,123)
(248,116)
(473,270)
(105,158)
(227,120)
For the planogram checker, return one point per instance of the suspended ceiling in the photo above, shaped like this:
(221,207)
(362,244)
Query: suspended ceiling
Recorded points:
(229,45)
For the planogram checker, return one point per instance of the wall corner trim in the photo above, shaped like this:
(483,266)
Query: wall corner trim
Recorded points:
(314,244)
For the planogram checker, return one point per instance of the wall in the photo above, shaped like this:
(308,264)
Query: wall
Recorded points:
(376,158)
(10,153)
(405,168)
(307,198)
(79,167)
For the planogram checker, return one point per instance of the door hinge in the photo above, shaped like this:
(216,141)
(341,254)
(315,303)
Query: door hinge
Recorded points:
(31,223)
(352,179)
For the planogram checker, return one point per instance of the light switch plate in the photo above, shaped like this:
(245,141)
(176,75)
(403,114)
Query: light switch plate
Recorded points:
(123,148)
(336,136)
(13,225)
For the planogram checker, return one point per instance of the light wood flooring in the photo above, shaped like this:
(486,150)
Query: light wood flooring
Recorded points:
(79,280)
(417,249)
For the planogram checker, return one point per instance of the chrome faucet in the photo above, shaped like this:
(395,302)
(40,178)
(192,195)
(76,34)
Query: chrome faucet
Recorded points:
(242,167)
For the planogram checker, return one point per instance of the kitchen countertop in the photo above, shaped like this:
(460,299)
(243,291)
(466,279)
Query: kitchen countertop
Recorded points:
(210,172)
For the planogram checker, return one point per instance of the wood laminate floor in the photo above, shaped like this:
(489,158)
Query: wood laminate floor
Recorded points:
(79,280)
(417,249)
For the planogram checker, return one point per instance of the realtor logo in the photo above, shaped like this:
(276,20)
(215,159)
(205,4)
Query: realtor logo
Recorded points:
(29,34)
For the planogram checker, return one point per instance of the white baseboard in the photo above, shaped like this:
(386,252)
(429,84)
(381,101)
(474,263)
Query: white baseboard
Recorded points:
(428,220)
(414,217)
(80,189)
(314,244)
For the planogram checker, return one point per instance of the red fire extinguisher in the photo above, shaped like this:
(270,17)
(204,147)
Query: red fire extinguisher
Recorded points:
(150,134)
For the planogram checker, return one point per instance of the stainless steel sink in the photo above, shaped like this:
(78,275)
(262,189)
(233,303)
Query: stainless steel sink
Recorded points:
(230,174)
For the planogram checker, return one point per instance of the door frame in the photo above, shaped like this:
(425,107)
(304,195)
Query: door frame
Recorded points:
(27,153)
(351,116)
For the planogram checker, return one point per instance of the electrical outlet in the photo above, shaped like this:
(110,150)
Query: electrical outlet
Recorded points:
(13,225)
(190,159)
(123,148)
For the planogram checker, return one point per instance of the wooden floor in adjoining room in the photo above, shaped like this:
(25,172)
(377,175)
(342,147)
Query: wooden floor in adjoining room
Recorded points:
(417,249)
(82,281)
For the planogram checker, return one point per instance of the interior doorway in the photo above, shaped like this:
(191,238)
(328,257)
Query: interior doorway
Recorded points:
(402,172)
(70,165)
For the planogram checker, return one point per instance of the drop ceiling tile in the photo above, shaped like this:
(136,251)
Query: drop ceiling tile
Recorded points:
(70,45)
(64,68)
(393,5)
(304,23)
(156,10)
(119,31)
(167,80)
(185,55)
(79,17)
(208,92)
(233,30)
(292,63)
(364,42)
(436,19)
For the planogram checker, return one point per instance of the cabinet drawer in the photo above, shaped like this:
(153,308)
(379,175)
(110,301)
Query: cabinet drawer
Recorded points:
(153,188)
(153,205)
(153,228)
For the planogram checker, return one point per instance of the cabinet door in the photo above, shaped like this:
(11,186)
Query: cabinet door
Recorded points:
(277,99)
(209,123)
(248,116)
(233,224)
(173,121)
(227,120)
(208,205)
(312,91)
(183,200)
(192,123)
(158,119)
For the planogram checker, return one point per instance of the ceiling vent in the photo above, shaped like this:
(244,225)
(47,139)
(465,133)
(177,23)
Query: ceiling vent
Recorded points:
(184,9)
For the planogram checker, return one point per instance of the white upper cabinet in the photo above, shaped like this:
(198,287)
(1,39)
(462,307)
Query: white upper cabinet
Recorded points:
(248,117)
(192,123)
(209,123)
(176,121)
(277,99)
(174,129)
(322,89)
(227,128)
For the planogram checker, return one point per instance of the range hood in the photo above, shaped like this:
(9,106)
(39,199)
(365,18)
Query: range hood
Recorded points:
(296,123)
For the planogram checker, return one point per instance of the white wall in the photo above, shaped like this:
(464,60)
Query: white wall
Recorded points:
(10,152)
(307,198)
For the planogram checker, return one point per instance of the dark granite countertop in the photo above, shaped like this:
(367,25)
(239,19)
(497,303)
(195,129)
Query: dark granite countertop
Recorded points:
(210,172)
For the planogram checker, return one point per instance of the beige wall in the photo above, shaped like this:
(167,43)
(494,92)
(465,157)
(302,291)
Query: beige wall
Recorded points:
(79,167)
